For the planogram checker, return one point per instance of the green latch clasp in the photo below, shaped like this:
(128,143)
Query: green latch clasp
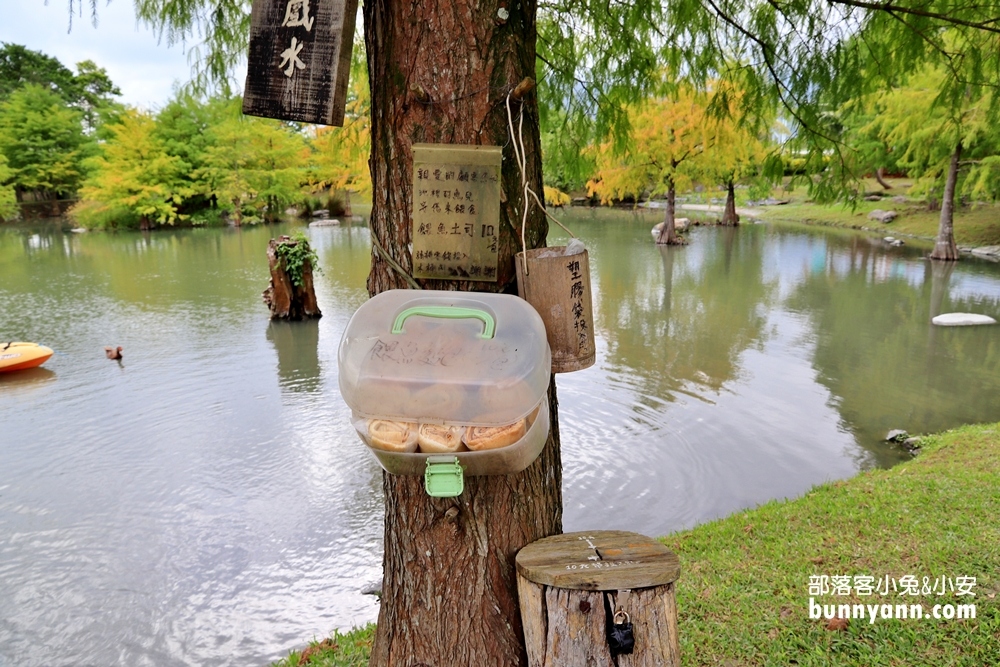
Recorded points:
(444,477)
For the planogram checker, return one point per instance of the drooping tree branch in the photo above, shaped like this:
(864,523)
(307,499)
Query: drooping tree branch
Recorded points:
(900,9)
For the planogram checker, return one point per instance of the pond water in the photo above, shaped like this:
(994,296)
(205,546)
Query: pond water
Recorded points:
(205,501)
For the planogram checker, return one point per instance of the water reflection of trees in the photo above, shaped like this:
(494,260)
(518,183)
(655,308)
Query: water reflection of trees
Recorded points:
(678,318)
(879,355)
(297,346)
(226,267)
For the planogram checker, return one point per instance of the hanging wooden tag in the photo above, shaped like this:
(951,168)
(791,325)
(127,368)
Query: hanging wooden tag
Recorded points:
(300,59)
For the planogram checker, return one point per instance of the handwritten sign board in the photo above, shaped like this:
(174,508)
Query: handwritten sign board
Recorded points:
(456,211)
(300,59)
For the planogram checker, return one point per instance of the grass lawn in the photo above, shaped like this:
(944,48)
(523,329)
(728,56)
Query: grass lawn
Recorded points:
(743,595)
(975,225)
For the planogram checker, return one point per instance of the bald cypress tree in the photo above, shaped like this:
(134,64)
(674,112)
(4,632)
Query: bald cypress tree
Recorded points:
(440,71)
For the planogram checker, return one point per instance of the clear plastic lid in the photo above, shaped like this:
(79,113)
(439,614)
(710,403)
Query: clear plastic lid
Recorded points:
(444,357)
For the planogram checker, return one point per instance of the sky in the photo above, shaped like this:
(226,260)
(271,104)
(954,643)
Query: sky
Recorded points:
(143,66)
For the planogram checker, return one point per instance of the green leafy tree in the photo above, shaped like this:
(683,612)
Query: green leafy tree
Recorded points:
(44,143)
(20,66)
(255,166)
(869,151)
(134,178)
(185,126)
(931,136)
(8,198)
(90,90)
(95,93)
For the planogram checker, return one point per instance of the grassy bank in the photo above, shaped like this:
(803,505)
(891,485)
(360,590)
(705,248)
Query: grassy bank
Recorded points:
(975,224)
(743,596)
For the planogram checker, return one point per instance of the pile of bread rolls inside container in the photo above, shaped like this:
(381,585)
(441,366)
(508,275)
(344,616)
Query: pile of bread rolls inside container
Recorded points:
(440,372)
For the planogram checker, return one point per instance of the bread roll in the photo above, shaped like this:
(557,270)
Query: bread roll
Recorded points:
(436,439)
(392,436)
(478,438)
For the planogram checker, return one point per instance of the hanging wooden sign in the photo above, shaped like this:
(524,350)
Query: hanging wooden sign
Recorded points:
(300,59)
(456,211)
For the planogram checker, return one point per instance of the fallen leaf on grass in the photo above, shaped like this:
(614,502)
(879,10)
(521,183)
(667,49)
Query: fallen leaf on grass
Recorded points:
(307,654)
(837,624)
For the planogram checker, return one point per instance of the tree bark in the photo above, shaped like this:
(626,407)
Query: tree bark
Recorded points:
(944,247)
(880,177)
(668,233)
(237,212)
(440,72)
(348,213)
(729,215)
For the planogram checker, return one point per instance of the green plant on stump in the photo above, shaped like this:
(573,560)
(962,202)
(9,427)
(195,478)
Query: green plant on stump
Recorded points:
(296,253)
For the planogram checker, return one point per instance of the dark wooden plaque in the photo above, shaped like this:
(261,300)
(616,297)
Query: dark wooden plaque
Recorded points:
(300,59)
(602,560)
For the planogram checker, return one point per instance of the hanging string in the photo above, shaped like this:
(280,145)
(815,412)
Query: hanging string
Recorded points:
(520,157)
(385,255)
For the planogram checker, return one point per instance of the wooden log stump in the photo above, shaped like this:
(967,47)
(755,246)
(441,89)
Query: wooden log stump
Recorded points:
(571,585)
(290,295)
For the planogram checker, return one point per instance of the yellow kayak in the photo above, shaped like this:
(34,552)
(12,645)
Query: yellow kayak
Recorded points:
(18,356)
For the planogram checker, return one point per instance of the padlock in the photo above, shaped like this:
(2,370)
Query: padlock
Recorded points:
(620,637)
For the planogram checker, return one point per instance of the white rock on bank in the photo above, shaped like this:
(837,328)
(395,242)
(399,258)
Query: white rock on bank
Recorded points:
(962,319)
(987,251)
(882,216)
(680,225)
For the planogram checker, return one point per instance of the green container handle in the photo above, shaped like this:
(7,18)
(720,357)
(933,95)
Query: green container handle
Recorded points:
(448,312)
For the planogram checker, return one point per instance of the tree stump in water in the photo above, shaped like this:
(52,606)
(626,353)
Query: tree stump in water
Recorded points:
(570,587)
(290,295)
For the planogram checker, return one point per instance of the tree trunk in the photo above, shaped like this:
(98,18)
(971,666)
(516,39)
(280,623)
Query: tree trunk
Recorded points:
(440,72)
(348,213)
(729,216)
(880,177)
(668,234)
(944,247)
(285,299)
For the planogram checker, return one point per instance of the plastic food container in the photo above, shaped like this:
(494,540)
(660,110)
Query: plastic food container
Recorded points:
(421,369)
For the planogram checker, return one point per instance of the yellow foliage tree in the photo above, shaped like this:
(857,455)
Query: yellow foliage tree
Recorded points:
(555,197)
(737,150)
(133,176)
(668,135)
(340,154)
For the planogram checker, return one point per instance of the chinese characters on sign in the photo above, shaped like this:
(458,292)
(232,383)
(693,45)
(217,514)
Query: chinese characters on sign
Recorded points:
(456,211)
(297,14)
(300,59)
(576,302)
(291,56)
